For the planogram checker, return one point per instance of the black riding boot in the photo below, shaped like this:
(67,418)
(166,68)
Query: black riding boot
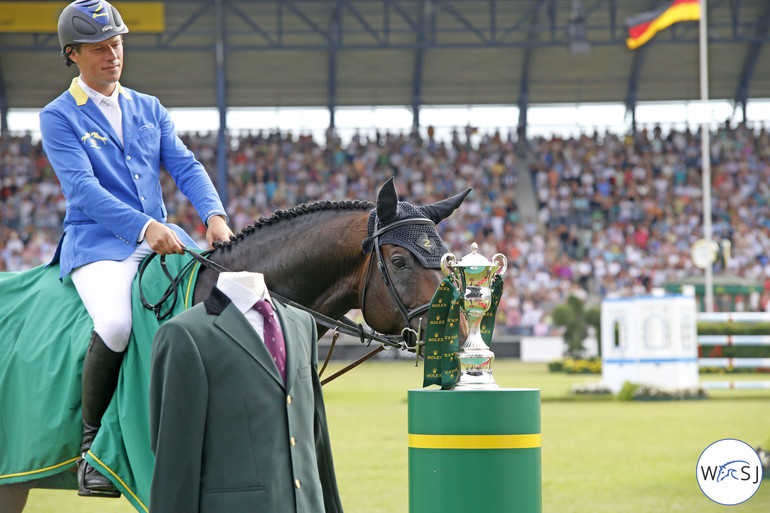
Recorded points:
(100,376)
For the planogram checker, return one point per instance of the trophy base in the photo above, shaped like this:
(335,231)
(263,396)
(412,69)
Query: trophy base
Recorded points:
(470,381)
(476,370)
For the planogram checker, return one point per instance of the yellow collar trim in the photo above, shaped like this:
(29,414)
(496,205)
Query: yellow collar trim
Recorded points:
(123,91)
(81,97)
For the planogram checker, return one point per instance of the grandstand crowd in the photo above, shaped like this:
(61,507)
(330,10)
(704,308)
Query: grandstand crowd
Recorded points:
(611,215)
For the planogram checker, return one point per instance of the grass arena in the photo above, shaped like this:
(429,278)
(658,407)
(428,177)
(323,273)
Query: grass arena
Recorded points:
(599,454)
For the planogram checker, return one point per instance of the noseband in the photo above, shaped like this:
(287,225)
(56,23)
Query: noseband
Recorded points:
(408,333)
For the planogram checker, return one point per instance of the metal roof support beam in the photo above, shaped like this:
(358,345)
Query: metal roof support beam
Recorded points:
(613,18)
(750,60)
(492,19)
(735,6)
(502,35)
(3,105)
(379,38)
(304,17)
(526,65)
(523,102)
(552,18)
(303,25)
(252,25)
(335,33)
(405,15)
(426,9)
(221,81)
(164,42)
(449,8)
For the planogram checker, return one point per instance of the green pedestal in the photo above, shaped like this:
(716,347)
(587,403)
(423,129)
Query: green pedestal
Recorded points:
(474,450)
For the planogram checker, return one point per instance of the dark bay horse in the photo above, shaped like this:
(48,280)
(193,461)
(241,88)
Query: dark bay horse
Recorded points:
(313,255)
(331,257)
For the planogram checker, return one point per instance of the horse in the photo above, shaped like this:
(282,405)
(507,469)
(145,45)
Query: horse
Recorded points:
(322,256)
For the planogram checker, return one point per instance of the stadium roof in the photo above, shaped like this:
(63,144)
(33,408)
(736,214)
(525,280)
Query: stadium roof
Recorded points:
(281,53)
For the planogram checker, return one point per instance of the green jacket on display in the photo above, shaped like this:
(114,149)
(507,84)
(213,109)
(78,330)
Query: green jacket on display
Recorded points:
(227,433)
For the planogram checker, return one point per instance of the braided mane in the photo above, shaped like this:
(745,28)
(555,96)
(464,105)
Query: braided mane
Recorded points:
(299,210)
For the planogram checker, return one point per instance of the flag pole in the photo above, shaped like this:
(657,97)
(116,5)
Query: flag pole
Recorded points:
(706,150)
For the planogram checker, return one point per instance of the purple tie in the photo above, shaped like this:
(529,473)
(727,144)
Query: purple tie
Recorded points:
(273,336)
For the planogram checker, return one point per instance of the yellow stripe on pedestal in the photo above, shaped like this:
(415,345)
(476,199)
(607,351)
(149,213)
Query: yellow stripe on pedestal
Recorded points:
(474,441)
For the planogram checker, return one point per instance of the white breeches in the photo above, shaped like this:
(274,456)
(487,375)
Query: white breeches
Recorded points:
(105,289)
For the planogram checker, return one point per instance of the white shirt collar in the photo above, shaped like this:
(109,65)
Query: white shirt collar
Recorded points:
(99,98)
(242,297)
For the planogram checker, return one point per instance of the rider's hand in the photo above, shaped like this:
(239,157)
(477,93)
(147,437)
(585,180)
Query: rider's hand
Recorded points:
(217,230)
(162,239)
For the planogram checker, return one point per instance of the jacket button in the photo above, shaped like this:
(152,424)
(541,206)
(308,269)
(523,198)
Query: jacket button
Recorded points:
(293,441)
(128,157)
(288,399)
(136,176)
(297,483)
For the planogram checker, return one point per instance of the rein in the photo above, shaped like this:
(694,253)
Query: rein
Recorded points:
(172,290)
(345,325)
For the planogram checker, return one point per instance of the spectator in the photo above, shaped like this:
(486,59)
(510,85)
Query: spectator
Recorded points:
(615,215)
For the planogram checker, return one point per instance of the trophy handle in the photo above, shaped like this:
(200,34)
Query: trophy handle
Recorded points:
(502,264)
(447,261)
(447,265)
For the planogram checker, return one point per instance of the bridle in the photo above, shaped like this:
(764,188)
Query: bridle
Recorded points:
(408,333)
(344,325)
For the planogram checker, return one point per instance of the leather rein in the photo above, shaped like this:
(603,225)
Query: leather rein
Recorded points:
(344,325)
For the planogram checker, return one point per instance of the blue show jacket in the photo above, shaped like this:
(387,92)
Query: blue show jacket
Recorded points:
(113,189)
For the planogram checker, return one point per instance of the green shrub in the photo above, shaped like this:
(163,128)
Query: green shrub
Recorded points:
(731,351)
(594,318)
(733,370)
(556,366)
(627,392)
(571,316)
(733,328)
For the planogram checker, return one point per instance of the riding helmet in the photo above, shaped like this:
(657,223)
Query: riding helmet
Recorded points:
(88,21)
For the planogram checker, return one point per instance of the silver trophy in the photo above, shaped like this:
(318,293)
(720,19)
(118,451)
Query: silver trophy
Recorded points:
(472,276)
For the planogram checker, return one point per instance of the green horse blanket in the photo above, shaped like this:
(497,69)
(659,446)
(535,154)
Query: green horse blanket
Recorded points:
(44,334)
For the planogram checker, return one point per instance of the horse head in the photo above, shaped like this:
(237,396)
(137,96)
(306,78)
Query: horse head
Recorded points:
(406,249)
(730,469)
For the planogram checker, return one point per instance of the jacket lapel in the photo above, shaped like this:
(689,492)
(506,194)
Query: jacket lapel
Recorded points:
(93,112)
(89,108)
(127,109)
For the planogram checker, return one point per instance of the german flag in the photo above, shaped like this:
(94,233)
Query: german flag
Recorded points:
(643,26)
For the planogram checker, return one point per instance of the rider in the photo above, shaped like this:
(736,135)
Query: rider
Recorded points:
(106,144)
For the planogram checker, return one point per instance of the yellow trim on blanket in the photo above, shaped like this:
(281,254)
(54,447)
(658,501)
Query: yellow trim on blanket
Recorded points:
(125,486)
(189,286)
(8,476)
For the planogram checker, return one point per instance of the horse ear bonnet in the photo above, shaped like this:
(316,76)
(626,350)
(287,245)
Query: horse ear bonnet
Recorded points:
(422,240)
